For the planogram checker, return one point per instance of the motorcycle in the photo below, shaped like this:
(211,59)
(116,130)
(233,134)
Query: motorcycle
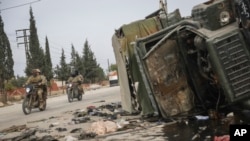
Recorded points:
(73,92)
(31,99)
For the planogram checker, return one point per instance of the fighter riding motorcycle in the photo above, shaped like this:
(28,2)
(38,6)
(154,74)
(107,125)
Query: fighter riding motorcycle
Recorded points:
(73,91)
(31,99)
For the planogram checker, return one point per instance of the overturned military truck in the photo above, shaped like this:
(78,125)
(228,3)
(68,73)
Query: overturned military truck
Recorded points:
(172,65)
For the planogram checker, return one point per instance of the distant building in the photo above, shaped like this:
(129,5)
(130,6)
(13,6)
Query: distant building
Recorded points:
(113,78)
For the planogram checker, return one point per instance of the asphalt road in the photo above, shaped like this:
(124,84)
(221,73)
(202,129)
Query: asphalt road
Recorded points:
(59,113)
(138,129)
(13,115)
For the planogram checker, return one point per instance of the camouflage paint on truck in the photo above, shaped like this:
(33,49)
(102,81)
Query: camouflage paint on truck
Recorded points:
(132,94)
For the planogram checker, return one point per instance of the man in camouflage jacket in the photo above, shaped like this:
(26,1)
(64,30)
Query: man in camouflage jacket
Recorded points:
(76,78)
(40,80)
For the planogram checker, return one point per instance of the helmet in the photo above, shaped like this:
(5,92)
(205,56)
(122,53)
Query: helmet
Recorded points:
(76,72)
(72,74)
(36,70)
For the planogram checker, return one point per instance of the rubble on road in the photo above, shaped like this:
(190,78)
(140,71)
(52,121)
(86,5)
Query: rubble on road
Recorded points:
(14,128)
(110,122)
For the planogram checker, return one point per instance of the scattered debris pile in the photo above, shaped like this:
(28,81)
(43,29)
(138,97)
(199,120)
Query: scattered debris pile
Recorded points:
(109,122)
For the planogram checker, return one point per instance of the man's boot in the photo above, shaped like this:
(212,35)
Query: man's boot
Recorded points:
(81,90)
(41,104)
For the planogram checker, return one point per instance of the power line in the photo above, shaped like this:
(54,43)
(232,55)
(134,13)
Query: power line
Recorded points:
(19,5)
(55,44)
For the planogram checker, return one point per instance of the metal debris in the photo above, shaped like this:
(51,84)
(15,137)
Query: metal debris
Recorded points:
(28,135)
(99,101)
(47,138)
(174,128)
(40,120)
(85,136)
(80,113)
(14,128)
(80,120)
(53,124)
(59,129)
(76,130)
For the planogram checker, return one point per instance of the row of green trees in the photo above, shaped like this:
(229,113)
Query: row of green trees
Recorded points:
(86,64)
(37,57)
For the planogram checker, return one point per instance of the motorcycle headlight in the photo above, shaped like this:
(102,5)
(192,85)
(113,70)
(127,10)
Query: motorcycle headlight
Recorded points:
(27,90)
(224,17)
(70,85)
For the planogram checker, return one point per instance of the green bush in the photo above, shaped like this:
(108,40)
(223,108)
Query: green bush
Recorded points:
(9,86)
(18,81)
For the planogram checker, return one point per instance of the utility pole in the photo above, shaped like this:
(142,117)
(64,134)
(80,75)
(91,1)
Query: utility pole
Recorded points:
(108,66)
(25,37)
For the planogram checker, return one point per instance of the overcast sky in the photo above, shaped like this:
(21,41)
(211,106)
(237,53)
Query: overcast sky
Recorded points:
(67,22)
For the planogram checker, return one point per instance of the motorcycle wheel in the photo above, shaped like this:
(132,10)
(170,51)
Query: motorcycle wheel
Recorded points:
(26,106)
(70,96)
(44,106)
(79,97)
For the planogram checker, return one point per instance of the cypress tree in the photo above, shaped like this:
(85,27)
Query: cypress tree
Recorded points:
(86,61)
(73,57)
(57,71)
(48,63)
(64,70)
(79,64)
(36,53)
(92,69)
(6,58)
(100,76)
